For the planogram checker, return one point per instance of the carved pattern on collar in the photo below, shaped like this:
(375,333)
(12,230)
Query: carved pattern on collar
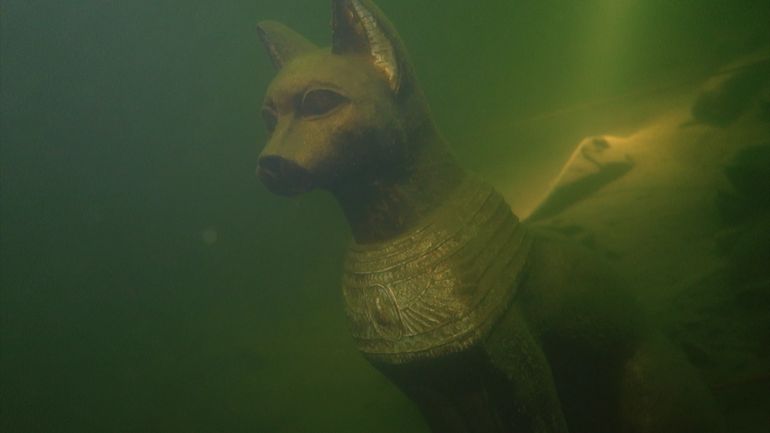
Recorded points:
(441,287)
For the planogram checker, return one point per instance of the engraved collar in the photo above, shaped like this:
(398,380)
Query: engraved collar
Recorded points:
(441,287)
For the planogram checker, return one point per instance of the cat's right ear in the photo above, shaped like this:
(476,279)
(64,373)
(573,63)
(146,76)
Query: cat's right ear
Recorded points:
(282,43)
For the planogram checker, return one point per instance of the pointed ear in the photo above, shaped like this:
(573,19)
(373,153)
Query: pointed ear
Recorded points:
(360,28)
(282,43)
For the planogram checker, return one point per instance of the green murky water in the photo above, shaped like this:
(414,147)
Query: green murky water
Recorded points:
(151,284)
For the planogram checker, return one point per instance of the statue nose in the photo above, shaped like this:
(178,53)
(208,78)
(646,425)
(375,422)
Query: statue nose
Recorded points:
(270,166)
(282,176)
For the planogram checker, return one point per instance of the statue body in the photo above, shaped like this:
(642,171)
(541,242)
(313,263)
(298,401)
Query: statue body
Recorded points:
(484,323)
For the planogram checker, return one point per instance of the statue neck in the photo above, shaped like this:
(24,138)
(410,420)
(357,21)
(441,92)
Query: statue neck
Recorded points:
(383,206)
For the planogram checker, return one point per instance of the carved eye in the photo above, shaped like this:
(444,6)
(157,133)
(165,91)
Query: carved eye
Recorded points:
(320,101)
(270,119)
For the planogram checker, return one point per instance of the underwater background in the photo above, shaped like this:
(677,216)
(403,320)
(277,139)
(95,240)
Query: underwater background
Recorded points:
(150,283)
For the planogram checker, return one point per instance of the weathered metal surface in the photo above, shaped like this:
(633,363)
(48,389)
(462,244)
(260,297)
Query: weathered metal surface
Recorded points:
(438,288)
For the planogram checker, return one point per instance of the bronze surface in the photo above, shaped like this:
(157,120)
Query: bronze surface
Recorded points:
(439,288)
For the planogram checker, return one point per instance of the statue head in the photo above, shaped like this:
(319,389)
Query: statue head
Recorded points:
(340,114)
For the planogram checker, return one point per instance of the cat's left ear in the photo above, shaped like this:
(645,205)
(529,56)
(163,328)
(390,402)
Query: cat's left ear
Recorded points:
(282,43)
(360,28)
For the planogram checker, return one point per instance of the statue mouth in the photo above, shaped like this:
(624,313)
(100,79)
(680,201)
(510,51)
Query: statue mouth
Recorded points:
(283,177)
